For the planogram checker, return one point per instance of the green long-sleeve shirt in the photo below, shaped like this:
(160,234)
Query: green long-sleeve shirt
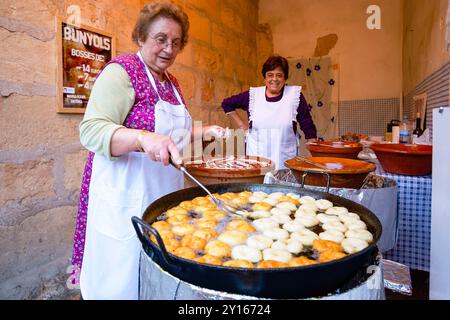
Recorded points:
(111,99)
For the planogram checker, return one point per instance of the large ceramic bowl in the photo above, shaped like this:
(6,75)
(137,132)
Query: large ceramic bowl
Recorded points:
(338,149)
(404,159)
(344,173)
(229,169)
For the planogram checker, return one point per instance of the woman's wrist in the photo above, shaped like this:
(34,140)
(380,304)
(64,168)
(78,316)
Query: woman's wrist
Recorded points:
(139,138)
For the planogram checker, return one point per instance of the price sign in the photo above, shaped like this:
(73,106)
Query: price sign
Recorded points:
(82,53)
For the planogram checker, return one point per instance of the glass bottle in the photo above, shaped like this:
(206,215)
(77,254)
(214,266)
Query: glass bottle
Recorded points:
(417,131)
(405,131)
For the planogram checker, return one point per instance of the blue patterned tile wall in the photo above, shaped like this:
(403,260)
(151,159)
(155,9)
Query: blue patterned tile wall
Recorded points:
(436,86)
(369,116)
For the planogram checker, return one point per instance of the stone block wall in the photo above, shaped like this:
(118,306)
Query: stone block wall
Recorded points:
(41,159)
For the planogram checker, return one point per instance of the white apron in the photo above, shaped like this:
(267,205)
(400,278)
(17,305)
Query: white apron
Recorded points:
(272,135)
(120,189)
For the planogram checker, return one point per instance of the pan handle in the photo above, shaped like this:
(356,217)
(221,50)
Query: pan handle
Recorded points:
(306,172)
(143,237)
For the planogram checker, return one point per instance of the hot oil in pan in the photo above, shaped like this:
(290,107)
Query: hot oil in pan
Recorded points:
(307,252)
(220,228)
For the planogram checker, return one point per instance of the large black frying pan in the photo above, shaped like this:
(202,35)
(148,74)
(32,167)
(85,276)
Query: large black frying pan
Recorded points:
(279,283)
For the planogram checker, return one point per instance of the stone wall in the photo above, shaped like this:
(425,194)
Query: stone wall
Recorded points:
(41,159)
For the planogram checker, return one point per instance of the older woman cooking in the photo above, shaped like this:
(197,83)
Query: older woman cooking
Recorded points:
(135,120)
(273,112)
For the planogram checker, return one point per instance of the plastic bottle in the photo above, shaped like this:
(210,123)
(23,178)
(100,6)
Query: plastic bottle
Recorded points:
(405,131)
(388,134)
(395,134)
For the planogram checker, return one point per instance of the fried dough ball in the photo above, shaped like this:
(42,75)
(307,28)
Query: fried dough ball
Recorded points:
(193,242)
(336,210)
(334,226)
(260,194)
(305,236)
(198,201)
(265,224)
(178,219)
(276,233)
(307,220)
(209,260)
(349,217)
(326,245)
(243,252)
(288,199)
(238,264)
(294,246)
(293,196)
(356,225)
(161,225)
(323,204)
(306,199)
(205,233)
(255,199)
(176,211)
(240,201)
(240,225)
(287,205)
(330,255)
(205,207)
(281,218)
(184,252)
(352,245)
(165,235)
(214,214)
(205,223)
(233,237)
(301,261)
(261,206)
(188,205)
(259,214)
(171,245)
(218,249)
(293,226)
(360,234)
(308,206)
(259,241)
(183,229)
(270,201)
(276,195)
(268,264)
(332,235)
(279,244)
(325,218)
(277,255)
(245,194)
(284,211)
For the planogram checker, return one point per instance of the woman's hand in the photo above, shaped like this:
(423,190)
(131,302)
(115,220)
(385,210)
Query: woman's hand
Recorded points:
(239,123)
(216,131)
(158,147)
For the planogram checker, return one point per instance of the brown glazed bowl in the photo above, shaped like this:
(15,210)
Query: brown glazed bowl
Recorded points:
(228,169)
(337,149)
(404,159)
(344,173)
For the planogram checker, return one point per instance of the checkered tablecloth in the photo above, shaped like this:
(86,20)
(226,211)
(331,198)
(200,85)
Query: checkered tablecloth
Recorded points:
(414,218)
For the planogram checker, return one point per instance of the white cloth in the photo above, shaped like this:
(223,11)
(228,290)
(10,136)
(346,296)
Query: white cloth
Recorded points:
(121,189)
(272,134)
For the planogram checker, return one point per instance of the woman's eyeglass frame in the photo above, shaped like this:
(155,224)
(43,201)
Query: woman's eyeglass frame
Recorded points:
(163,42)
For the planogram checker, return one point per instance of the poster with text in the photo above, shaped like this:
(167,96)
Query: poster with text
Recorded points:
(83,53)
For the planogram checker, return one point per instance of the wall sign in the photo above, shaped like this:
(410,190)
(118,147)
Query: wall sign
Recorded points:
(82,53)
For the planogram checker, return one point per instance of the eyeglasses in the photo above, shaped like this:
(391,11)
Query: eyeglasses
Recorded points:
(163,42)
